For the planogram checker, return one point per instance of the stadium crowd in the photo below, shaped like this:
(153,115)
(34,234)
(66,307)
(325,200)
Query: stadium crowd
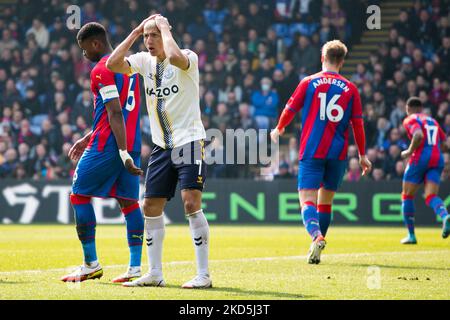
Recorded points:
(252,54)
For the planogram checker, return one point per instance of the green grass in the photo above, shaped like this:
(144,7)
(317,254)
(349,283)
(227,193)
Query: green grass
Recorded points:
(246,263)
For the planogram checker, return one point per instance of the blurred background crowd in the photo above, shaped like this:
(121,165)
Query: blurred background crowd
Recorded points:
(252,55)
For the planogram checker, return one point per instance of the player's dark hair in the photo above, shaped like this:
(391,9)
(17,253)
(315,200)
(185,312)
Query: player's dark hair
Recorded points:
(414,102)
(92,30)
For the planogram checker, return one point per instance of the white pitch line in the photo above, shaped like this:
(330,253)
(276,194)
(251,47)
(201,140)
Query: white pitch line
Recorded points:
(256,259)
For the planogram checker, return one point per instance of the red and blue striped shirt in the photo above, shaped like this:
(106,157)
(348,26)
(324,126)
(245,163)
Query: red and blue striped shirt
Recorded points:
(429,152)
(329,103)
(106,86)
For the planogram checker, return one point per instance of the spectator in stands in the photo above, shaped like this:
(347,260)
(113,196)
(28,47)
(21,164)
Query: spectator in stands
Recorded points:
(10,164)
(403,25)
(24,83)
(25,135)
(222,119)
(42,163)
(361,75)
(64,166)
(437,94)
(40,33)
(283,171)
(377,174)
(354,172)
(444,53)
(327,32)
(395,139)
(25,159)
(392,157)
(399,113)
(7,42)
(306,55)
(426,31)
(291,79)
(244,120)
(265,102)
(337,17)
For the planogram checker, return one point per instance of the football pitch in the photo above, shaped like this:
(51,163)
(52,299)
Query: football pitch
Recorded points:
(247,262)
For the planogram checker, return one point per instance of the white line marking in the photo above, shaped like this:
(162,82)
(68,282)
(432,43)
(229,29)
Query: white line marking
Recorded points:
(256,259)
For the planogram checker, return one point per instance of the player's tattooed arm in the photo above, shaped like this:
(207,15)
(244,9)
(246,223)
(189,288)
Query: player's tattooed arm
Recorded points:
(417,139)
(117,124)
(77,149)
(171,49)
(117,62)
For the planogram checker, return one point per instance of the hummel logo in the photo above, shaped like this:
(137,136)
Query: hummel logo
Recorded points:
(149,242)
(198,241)
(150,76)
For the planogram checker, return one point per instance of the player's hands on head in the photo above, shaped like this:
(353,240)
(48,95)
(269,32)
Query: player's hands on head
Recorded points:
(275,134)
(140,28)
(77,149)
(131,167)
(161,22)
(365,164)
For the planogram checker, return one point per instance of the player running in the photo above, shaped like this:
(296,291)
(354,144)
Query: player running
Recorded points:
(425,166)
(329,103)
(171,79)
(108,157)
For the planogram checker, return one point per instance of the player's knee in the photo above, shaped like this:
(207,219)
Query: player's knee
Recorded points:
(151,209)
(191,206)
(129,207)
(76,199)
(124,204)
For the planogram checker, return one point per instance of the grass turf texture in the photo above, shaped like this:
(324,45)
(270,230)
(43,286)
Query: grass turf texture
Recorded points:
(247,262)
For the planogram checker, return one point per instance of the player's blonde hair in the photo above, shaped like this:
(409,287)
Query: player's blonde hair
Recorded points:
(151,24)
(334,52)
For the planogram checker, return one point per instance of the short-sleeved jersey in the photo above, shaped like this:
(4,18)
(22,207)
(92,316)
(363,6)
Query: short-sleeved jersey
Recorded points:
(429,152)
(106,86)
(173,100)
(328,104)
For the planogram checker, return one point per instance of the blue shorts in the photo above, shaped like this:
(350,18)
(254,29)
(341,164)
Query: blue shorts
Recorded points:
(416,173)
(317,173)
(167,167)
(103,175)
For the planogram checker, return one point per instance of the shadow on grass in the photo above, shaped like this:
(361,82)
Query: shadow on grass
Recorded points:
(387,266)
(260,293)
(15,282)
(118,285)
(240,291)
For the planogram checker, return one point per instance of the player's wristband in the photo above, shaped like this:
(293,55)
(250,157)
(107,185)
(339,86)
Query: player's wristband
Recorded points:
(124,155)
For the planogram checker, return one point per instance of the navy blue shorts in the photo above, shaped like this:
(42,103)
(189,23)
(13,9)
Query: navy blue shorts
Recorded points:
(317,173)
(416,173)
(103,175)
(167,167)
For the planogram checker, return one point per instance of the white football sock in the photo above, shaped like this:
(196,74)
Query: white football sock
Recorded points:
(92,264)
(200,238)
(155,231)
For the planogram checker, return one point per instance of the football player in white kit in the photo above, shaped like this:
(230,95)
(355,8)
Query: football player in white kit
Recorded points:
(171,80)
